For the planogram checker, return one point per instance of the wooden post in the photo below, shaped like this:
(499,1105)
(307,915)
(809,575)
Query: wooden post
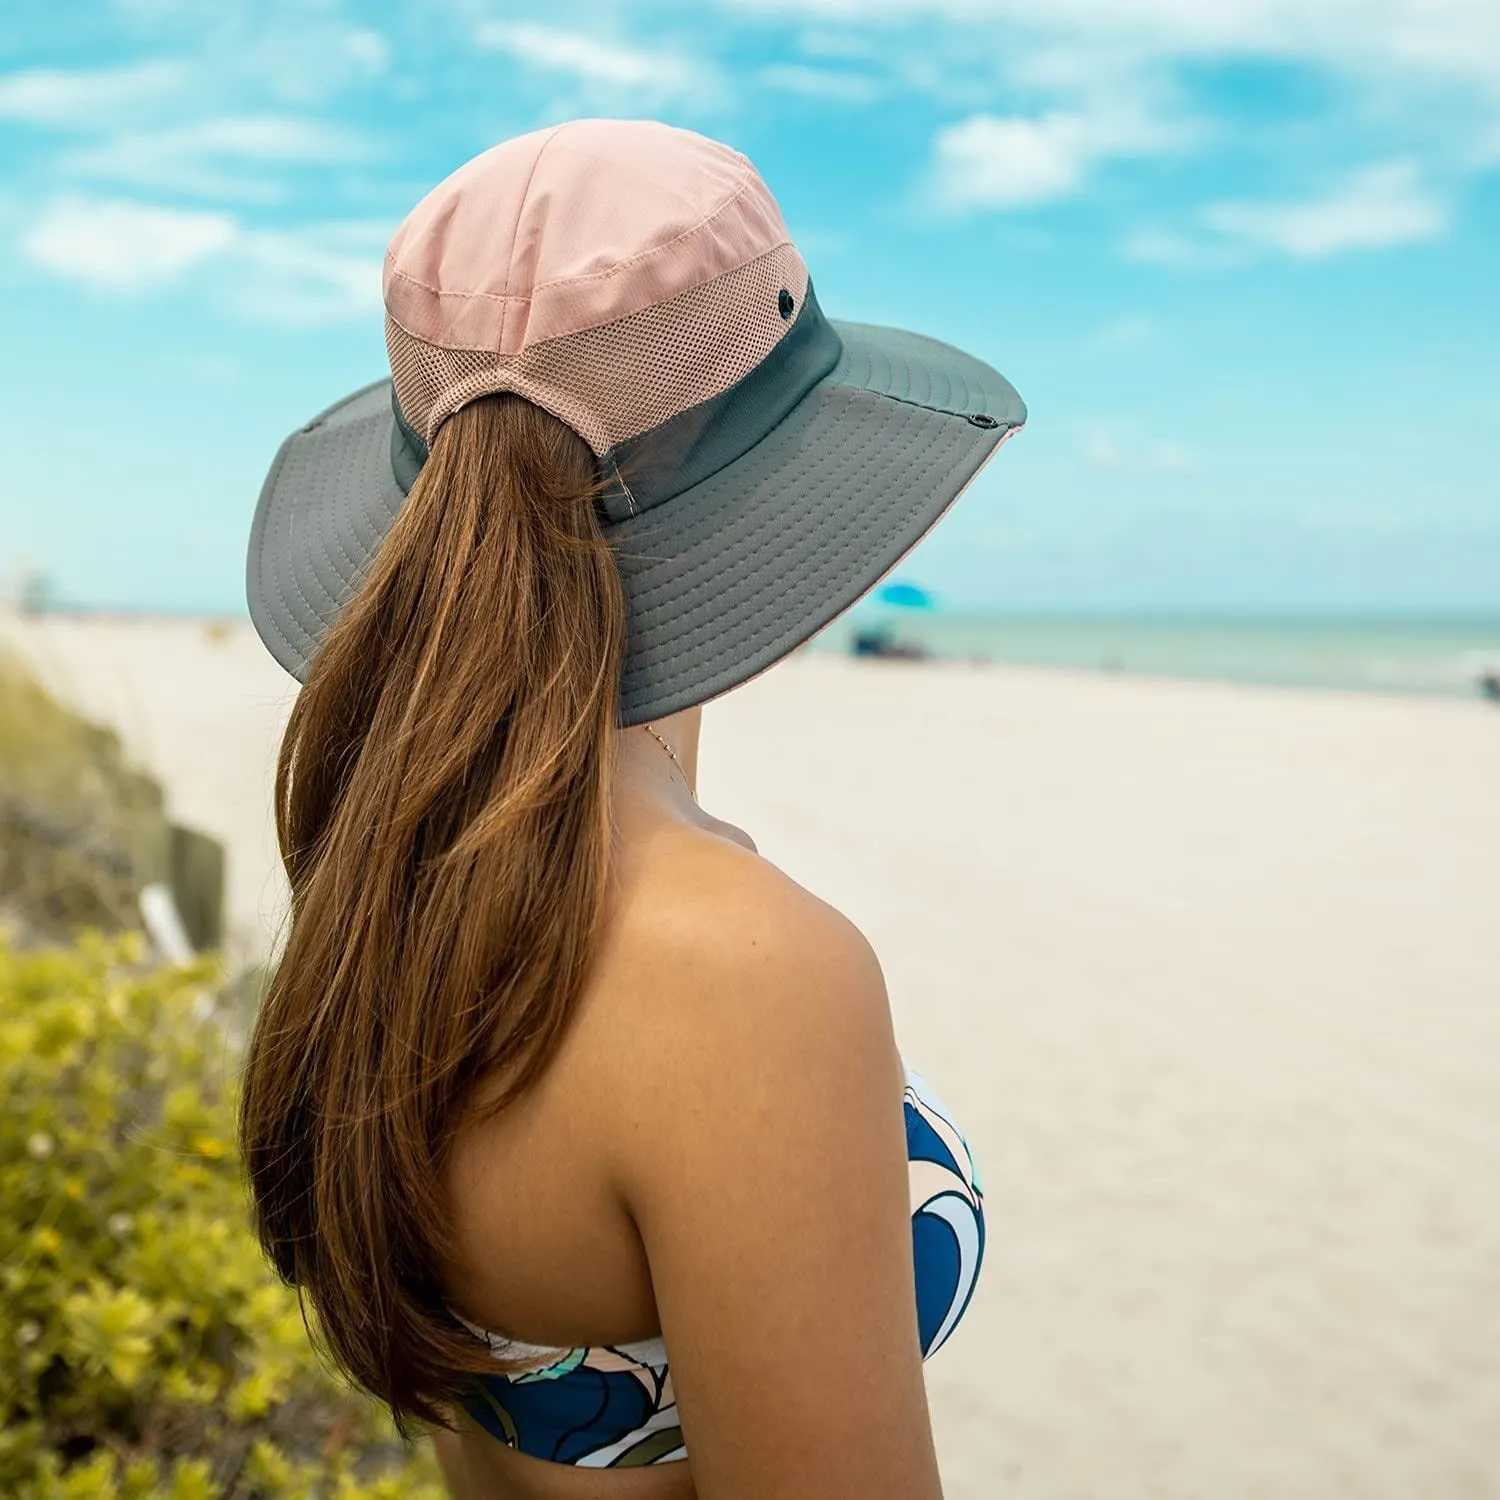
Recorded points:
(195,876)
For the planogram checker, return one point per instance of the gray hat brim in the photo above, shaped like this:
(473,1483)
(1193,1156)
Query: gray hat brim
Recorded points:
(724,579)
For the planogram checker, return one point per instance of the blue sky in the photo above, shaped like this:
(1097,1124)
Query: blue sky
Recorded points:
(1239,257)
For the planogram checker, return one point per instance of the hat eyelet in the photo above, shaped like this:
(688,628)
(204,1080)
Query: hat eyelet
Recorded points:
(981,419)
(785,302)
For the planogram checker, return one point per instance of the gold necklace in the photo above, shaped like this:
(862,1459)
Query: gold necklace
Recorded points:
(651,730)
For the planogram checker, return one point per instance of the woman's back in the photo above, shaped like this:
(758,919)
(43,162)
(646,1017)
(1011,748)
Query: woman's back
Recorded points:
(582,1127)
(546,1247)
(545,1196)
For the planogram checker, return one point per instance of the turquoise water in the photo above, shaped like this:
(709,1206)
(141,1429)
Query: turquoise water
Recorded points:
(1405,656)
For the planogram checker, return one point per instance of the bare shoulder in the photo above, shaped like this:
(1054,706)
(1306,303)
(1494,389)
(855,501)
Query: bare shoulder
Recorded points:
(725,957)
(758,1147)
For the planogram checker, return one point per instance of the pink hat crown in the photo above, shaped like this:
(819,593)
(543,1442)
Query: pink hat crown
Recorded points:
(615,272)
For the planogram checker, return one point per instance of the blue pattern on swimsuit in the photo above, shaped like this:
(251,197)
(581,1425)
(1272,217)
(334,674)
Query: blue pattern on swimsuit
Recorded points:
(613,1406)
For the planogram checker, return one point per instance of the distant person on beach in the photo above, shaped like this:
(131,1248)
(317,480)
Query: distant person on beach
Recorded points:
(881,645)
(581,1127)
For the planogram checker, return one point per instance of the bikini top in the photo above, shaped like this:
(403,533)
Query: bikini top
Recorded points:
(612,1406)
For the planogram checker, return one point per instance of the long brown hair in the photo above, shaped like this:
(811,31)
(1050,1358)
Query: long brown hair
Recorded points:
(443,811)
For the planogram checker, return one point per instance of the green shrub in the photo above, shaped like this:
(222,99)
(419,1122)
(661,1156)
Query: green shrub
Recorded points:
(82,830)
(73,815)
(145,1347)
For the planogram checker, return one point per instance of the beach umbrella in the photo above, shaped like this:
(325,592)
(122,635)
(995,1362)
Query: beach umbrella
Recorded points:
(905,596)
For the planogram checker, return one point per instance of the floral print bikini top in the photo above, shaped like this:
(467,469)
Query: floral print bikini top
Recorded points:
(612,1407)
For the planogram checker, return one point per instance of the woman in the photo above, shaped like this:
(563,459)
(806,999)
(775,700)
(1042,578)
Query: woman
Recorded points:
(581,1126)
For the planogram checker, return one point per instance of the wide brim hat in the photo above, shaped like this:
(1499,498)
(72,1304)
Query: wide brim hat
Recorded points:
(765,465)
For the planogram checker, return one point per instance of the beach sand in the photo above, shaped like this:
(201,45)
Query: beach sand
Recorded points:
(1210,974)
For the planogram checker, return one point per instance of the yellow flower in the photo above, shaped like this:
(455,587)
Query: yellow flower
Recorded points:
(255,1395)
(112,1325)
(210,1146)
(192,1479)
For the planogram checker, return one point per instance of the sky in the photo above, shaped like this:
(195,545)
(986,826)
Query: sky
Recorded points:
(1240,259)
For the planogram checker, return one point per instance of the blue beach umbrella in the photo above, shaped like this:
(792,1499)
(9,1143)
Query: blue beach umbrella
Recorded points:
(905,596)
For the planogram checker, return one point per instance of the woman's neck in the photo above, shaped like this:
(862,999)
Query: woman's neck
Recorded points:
(653,781)
(660,759)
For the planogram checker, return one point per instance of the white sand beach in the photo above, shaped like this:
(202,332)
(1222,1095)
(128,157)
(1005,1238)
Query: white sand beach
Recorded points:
(1210,974)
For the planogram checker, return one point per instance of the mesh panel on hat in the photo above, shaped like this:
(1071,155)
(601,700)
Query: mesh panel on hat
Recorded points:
(619,379)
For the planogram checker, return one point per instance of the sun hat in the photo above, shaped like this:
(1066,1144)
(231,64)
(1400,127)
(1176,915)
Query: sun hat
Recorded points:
(764,466)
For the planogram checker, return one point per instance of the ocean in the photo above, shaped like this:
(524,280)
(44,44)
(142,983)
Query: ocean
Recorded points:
(1434,656)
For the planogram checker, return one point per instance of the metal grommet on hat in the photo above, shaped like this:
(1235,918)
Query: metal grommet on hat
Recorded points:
(765,465)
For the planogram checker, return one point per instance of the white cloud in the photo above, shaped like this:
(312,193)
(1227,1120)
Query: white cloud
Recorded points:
(124,246)
(838,86)
(1009,163)
(306,278)
(994,162)
(211,156)
(1386,204)
(593,59)
(1439,37)
(1378,207)
(291,54)
(120,245)
(1429,70)
(366,236)
(72,98)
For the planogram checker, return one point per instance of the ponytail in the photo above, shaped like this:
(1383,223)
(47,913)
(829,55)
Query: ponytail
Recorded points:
(443,812)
